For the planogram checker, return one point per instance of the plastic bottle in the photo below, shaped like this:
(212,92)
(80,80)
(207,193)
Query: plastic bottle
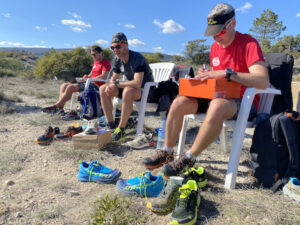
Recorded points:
(161,134)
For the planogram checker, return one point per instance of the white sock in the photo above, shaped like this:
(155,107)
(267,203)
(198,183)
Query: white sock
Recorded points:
(167,149)
(190,156)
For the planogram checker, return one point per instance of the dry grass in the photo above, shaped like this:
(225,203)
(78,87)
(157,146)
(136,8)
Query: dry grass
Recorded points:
(248,204)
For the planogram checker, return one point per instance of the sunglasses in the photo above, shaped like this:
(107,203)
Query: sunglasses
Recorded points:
(223,31)
(116,47)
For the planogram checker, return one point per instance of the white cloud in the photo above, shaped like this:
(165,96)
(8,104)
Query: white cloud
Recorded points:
(76,25)
(169,27)
(6,15)
(78,29)
(129,26)
(40,28)
(102,42)
(158,49)
(75,15)
(244,8)
(298,15)
(19,45)
(136,43)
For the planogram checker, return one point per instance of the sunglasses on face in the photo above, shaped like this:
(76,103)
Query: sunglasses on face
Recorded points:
(115,47)
(223,31)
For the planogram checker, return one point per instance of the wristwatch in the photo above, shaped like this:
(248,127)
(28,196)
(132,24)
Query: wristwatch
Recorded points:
(116,82)
(229,72)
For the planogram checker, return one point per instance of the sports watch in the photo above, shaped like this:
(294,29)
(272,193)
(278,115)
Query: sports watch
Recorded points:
(116,82)
(229,72)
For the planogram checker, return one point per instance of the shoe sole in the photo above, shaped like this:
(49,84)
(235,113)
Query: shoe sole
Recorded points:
(107,181)
(44,143)
(63,139)
(143,146)
(166,209)
(120,140)
(290,194)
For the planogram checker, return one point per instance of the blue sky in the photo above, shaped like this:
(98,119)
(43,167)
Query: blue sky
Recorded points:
(150,25)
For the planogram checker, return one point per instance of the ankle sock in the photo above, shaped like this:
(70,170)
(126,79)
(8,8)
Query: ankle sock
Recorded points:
(190,156)
(167,149)
(111,125)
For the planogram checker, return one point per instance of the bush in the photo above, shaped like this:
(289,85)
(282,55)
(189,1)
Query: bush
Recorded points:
(6,72)
(117,210)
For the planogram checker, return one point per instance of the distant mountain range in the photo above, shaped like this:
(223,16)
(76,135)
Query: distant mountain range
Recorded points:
(41,51)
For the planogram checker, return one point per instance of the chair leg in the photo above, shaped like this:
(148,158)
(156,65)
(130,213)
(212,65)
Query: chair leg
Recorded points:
(72,100)
(140,119)
(114,109)
(223,140)
(182,136)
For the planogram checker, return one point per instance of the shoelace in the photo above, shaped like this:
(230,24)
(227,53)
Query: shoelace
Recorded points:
(181,202)
(93,163)
(140,176)
(179,164)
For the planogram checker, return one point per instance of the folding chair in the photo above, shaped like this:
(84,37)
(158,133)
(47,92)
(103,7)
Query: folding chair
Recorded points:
(161,72)
(239,126)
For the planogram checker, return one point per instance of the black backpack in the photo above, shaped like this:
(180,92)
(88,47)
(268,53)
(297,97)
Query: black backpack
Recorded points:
(280,66)
(275,150)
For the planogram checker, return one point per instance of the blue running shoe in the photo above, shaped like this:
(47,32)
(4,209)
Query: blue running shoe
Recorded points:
(96,172)
(144,185)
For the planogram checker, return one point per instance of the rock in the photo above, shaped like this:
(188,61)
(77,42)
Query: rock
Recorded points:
(9,182)
(74,193)
(19,214)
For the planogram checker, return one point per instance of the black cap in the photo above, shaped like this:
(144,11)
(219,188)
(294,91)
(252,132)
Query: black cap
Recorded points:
(218,17)
(119,38)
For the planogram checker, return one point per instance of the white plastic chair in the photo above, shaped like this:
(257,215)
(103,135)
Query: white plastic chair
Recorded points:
(87,84)
(161,72)
(239,126)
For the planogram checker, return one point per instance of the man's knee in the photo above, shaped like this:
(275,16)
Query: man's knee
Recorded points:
(184,104)
(130,93)
(102,89)
(221,108)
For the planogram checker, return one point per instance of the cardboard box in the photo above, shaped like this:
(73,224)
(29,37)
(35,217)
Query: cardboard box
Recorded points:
(210,88)
(83,141)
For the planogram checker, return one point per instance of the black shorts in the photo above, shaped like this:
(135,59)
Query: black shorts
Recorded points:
(204,103)
(81,86)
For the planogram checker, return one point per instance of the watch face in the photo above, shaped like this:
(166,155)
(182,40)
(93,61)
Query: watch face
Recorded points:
(229,70)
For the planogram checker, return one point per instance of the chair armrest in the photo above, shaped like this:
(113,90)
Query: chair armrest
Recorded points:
(89,80)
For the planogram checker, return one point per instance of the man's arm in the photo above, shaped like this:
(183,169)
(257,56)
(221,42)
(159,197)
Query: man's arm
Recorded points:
(257,76)
(135,83)
(103,75)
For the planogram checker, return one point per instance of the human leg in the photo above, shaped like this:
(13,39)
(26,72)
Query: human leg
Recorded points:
(218,111)
(181,106)
(66,94)
(106,102)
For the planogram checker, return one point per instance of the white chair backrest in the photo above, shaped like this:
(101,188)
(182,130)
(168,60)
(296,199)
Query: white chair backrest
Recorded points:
(161,71)
(265,102)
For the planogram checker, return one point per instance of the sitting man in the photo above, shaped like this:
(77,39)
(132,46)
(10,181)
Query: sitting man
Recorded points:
(136,69)
(233,55)
(100,70)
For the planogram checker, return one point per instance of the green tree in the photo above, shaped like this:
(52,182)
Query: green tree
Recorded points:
(197,51)
(267,27)
(153,58)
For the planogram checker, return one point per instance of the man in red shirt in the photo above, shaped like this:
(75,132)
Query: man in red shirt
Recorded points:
(100,69)
(233,55)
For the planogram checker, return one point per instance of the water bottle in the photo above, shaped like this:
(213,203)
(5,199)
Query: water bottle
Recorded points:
(161,134)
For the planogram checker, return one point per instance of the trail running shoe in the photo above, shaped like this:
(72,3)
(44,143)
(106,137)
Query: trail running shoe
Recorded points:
(118,135)
(141,141)
(68,134)
(71,115)
(161,157)
(96,172)
(47,137)
(144,185)
(186,209)
(50,109)
(292,189)
(196,174)
(177,167)
(167,198)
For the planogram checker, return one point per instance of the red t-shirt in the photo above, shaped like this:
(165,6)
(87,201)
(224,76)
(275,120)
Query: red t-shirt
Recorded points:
(98,68)
(239,55)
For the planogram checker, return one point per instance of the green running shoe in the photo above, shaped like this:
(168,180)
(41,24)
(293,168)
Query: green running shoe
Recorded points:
(118,135)
(196,174)
(167,198)
(188,201)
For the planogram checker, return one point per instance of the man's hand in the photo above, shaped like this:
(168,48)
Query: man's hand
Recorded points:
(109,89)
(208,74)
(84,78)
